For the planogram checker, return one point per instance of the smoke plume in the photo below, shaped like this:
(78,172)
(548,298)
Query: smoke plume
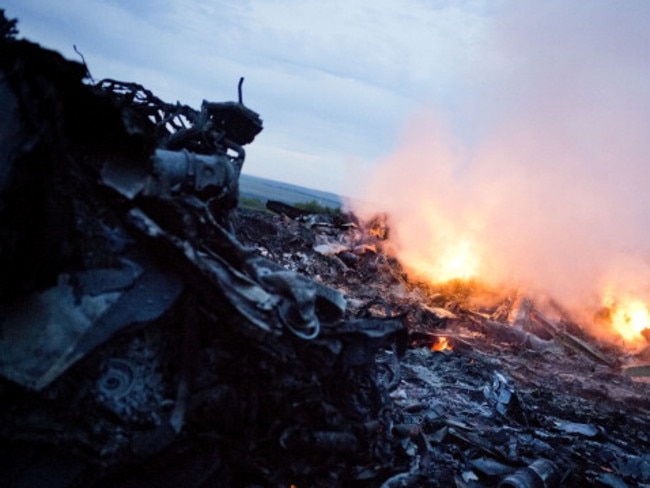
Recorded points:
(550,188)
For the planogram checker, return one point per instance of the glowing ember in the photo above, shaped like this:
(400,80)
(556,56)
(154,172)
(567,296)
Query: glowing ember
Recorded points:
(442,344)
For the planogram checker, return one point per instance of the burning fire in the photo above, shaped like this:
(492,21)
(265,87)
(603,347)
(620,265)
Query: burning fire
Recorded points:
(456,261)
(441,249)
(442,344)
(536,178)
(629,317)
(626,303)
(460,259)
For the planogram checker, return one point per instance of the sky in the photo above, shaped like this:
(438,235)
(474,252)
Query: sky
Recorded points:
(334,81)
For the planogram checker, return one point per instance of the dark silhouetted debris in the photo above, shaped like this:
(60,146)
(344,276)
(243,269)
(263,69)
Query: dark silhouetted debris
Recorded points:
(542,473)
(140,338)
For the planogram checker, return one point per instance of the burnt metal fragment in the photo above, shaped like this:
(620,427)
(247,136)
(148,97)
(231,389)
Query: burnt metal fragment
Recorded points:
(502,396)
(542,473)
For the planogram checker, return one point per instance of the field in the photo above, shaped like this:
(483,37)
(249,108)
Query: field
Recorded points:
(262,189)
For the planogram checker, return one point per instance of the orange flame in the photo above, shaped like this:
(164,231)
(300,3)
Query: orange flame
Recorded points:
(629,317)
(456,261)
(442,344)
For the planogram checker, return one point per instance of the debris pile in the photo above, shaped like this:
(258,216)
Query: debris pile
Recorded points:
(152,334)
(496,395)
(142,343)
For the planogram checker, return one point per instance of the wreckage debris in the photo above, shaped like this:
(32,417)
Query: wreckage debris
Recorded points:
(541,473)
(152,334)
(176,340)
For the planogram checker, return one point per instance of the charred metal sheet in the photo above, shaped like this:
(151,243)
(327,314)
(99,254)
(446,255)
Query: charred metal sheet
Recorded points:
(40,331)
(43,334)
(540,473)
(149,297)
(102,280)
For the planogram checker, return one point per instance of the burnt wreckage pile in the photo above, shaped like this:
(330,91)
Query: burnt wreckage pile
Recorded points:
(142,343)
(490,392)
(154,335)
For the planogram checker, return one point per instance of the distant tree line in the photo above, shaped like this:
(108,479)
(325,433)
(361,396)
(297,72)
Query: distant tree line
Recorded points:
(252,203)
(315,207)
(312,206)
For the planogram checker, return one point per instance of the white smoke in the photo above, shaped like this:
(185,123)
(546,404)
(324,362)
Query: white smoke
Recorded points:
(553,180)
